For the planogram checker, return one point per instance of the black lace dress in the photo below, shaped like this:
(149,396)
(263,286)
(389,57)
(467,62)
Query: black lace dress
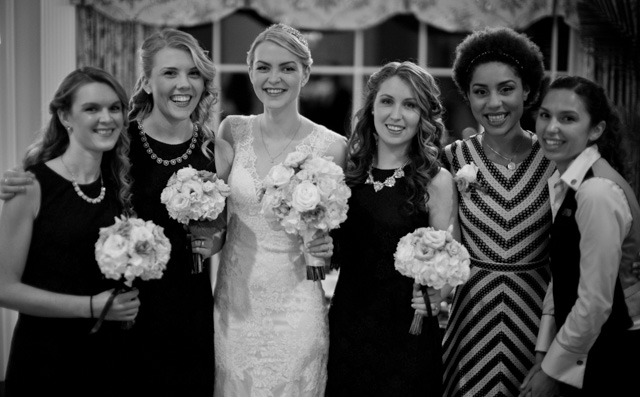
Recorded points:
(58,356)
(172,352)
(371,352)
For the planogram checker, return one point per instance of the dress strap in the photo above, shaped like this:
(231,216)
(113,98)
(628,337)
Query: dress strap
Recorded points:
(506,268)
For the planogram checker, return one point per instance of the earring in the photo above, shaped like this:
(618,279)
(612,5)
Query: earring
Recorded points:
(68,127)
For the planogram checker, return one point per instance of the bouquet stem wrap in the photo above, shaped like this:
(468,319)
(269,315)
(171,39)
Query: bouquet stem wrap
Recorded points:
(416,324)
(125,286)
(200,229)
(315,266)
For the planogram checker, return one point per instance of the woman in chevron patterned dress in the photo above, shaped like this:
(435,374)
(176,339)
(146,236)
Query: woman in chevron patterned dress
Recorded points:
(505,219)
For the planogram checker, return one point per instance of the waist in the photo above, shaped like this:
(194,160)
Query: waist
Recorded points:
(509,268)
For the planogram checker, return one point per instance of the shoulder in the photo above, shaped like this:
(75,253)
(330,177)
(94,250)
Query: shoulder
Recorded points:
(336,144)
(229,126)
(442,180)
(600,191)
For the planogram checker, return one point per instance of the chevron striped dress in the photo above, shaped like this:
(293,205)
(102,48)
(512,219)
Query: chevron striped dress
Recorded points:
(489,341)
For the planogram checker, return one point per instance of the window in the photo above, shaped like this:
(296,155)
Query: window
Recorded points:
(343,60)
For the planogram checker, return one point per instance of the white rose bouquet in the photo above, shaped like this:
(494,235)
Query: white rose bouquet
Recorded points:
(467,180)
(195,198)
(130,248)
(432,258)
(302,195)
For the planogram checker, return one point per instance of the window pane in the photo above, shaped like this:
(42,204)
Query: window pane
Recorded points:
(541,33)
(457,114)
(331,48)
(327,100)
(238,31)
(394,40)
(202,33)
(441,47)
(237,96)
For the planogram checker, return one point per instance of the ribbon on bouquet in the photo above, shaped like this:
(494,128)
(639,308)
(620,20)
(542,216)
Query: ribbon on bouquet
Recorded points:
(416,324)
(103,314)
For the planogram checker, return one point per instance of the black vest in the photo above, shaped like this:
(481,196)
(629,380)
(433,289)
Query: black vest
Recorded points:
(564,254)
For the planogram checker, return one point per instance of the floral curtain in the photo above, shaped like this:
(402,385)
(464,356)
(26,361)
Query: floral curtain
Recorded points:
(110,44)
(449,15)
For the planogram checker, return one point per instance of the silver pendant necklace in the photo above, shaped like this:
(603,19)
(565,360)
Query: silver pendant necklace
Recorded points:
(293,134)
(511,165)
(389,182)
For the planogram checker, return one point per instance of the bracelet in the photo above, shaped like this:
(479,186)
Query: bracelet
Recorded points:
(91,305)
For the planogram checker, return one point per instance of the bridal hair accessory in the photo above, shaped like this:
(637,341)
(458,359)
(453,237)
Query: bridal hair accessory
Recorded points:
(303,195)
(498,53)
(130,248)
(432,258)
(195,198)
(292,31)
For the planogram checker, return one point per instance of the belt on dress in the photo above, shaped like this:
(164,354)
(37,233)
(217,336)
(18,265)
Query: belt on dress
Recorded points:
(507,268)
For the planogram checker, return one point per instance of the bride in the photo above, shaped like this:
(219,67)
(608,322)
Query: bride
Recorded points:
(271,328)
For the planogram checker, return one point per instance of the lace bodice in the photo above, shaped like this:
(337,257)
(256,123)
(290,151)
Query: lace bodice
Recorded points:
(271,323)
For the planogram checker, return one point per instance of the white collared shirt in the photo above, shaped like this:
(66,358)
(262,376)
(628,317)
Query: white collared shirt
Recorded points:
(604,219)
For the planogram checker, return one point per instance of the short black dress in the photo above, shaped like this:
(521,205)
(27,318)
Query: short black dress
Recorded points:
(58,356)
(371,352)
(172,351)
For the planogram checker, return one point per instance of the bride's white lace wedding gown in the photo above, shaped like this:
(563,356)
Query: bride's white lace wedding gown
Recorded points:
(271,328)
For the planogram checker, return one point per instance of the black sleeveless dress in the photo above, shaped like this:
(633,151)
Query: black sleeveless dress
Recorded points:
(172,352)
(371,352)
(57,356)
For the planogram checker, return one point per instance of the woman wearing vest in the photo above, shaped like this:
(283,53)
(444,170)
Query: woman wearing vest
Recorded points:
(589,335)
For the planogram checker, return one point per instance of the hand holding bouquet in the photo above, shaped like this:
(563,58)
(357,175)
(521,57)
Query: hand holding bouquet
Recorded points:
(130,248)
(302,195)
(195,198)
(432,258)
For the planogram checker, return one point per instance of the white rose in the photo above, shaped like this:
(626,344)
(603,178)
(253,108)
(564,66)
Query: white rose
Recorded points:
(468,172)
(294,159)
(186,173)
(305,196)
(167,194)
(327,186)
(404,251)
(278,176)
(433,238)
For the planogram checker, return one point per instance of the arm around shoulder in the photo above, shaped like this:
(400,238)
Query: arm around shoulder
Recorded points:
(224,158)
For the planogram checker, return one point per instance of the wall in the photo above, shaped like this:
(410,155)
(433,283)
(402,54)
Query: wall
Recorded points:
(37,49)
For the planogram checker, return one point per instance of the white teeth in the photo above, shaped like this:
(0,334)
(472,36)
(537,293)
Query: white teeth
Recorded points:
(274,91)
(496,118)
(395,128)
(102,131)
(552,142)
(180,98)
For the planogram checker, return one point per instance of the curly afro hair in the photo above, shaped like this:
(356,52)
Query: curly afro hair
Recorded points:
(503,45)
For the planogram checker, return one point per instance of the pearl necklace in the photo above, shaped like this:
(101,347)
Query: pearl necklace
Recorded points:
(389,182)
(184,157)
(79,192)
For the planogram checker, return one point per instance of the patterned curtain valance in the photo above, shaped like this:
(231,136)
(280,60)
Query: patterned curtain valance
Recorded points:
(448,15)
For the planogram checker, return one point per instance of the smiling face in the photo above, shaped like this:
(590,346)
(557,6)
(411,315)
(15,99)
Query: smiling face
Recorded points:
(96,118)
(396,114)
(564,127)
(277,75)
(496,97)
(175,83)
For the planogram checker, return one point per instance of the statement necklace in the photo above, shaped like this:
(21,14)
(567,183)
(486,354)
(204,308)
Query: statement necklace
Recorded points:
(79,192)
(389,182)
(185,156)
(511,165)
(293,134)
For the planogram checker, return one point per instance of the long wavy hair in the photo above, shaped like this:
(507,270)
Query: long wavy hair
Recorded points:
(599,107)
(141,103)
(54,139)
(425,146)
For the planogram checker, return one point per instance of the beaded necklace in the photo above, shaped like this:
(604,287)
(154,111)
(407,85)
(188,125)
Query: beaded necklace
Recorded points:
(389,182)
(184,157)
(79,192)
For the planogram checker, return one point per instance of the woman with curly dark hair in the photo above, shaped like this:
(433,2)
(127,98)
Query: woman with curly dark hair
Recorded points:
(591,321)
(48,270)
(397,186)
(505,218)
